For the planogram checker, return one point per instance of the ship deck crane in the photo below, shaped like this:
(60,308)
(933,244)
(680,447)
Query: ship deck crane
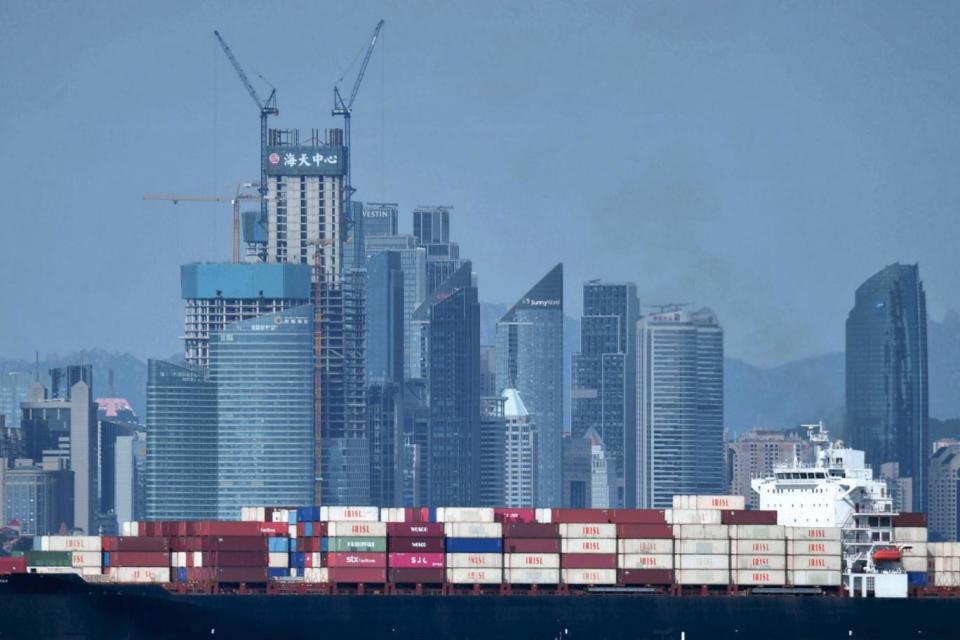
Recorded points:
(267,109)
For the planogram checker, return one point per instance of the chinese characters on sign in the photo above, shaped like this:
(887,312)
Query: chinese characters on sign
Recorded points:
(304,160)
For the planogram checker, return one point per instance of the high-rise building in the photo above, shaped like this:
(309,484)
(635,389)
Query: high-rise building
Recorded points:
(530,360)
(488,371)
(587,475)
(886,374)
(493,449)
(263,372)
(39,499)
(61,433)
(380,219)
(603,379)
(62,380)
(944,493)
(521,467)
(13,391)
(680,406)
(452,316)
(431,228)
(181,482)
(754,455)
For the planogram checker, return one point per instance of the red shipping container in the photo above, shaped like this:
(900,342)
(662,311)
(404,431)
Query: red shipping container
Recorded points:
(139,559)
(234,528)
(233,543)
(644,531)
(201,574)
(910,520)
(309,545)
(579,515)
(186,543)
(364,560)
(367,576)
(417,576)
(653,577)
(241,574)
(13,565)
(413,545)
(235,559)
(588,561)
(742,516)
(532,530)
(415,529)
(274,528)
(136,543)
(514,515)
(638,516)
(531,545)
(416,560)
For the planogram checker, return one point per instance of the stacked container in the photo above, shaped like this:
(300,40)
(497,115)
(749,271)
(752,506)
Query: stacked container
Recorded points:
(944,564)
(758,549)
(644,547)
(140,559)
(702,546)
(356,548)
(814,556)
(415,552)
(531,553)
(307,557)
(910,533)
(80,555)
(474,545)
(588,545)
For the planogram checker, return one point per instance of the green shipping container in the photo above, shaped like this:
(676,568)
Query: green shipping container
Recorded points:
(342,544)
(49,558)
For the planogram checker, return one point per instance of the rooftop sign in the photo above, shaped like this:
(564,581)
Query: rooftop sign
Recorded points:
(305,161)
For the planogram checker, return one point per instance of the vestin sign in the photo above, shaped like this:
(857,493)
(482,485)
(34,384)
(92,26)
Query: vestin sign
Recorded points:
(305,161)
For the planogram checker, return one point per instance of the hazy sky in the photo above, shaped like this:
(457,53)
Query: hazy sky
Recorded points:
(759,158)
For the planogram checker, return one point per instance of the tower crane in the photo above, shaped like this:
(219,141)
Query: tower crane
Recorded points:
(267,109)
(344,108)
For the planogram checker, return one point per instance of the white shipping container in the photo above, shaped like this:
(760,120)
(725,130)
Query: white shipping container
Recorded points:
(759,563)
(814,548)
(814,578)
(711,562)
(814,563)
(757,531)
(474,576)
(694,516)
(317,559)
(198,558)
(747,547)
(280,515)
(277,560)
(946,565)
(361,514)
(544,516)
(645,545)
(588,545)
(702,531)
(474,560)
(532,560)
(946,579)
(644,561)
(130,529)
(57,570)
(702,546)
(589,576)
(722,503)
(70,543)
(87,572)
(532,576)
(140,574)
(393,514)
(584,530)
(316,575)
(914,564)
(702,576)
(473,530)
(465,514)
(86,559)
(910,534)
(361,529)
(759,577)
(812,533)
(915,550)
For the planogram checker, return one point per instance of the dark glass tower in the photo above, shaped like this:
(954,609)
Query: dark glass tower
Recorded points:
(530,360)
(887,406)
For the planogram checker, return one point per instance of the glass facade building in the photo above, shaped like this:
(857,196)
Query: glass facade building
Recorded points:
(530,360)
(886,374)
(680,406)
(263,372)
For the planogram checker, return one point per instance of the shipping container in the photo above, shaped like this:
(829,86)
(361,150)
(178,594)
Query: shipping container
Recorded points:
(648,577)
(233,543)
(702,547)
(48,558)
(664,531)
(316,575)
(474,576)
(416,576)
(589,576)
(241,574)
(364,514)
(530,530)
(588,545)
(644,561)
(531,545)
(812,533)
(474,545)
(910,534)
(914,564)
(915,550)
(573,515)
(139,559)
(702,576)
(588,561)
(417,560)
(814,563)
(473,529)
(757,531)
(511,515)
(759,562)
(917,579)
(748,547)
(13,565)
(71,543)
(412,545)
(464,515)
(140,574)
(814,578)
(352,544)
(638,516)
(474,560)
(531,560)
(86,558)
(278,560)
(709,502)
(814,547)
(645,546)
(357,529)
(359,560)
(759,577)
(415,529)
(709,562)
(693,516)
(702,531)
(910,520)
(742,517)
(531,576)
(588,530)
(137,543)
(55,570)
(306,545)
(235,558)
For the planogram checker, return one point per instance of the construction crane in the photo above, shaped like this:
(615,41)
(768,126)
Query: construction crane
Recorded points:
(267,109)
(344,108)
(233,200)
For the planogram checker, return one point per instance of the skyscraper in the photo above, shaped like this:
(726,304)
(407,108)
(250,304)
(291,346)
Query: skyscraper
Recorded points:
(603,379)
(530,360)
(886,386)
(680,406)
(521,450)
(380,219)
(263,372)
(431,228)
(944,493)
(452,316)
(754,455)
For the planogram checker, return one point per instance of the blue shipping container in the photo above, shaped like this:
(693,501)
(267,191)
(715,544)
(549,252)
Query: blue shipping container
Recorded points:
(181,574)
(274,572)
(307,529)
(474,545)
(308,514)
(106,558)
(298,560)
(277,545)
(292,517)
(916,578)
(324,544)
